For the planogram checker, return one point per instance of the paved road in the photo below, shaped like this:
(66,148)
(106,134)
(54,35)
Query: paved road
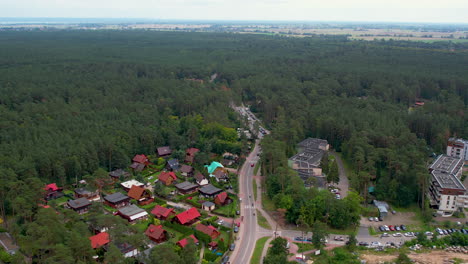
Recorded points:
(344,183)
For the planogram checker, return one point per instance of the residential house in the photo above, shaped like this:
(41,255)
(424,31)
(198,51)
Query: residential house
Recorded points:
(212,167)
(221,175)
(187,217)
(128,184)
(164,151)
(84,193)
(383,208)
(52,191)
(209,191)
(127,250)
(119,173)
(229,159)
(446,191)
(222,199)
(208,206)
(200,179)
(173,165)
(80,205)
(132,213)
(209,230)
(167,178)
(186,187)
(99,240)
(190,154)
(212,245)
(162,213)
(139,162)
(117,200)
(156,233)
(184,242)
(186,170)
(140,194)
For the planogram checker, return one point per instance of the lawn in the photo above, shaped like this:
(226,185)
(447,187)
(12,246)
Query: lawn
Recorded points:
(228,210)
(257,254)
(174,235)
(304,246)
(267,203)
(262,221)
(254,184)
(141,226)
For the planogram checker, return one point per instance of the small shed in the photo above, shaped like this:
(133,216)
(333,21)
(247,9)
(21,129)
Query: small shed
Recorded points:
(208,206)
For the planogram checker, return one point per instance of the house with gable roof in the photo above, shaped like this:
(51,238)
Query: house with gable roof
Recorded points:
(140,194)
(187,217)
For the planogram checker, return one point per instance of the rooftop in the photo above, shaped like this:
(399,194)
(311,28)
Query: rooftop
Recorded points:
(309,158)
(447,164)
(313,143)
(78,203)
(186,185)
(116,197)
(162,151)
(119,172)
(99,240)
(186,168)
(447,181)
(210,189)
(82,191)
(130,183)
(131,210)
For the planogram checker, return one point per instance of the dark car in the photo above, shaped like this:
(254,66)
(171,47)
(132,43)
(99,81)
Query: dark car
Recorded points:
(225,260)
(232,247)
(403,227)
(236,229)
(237,212)
(309,239)
(364,244)
(299,238)
(382,229)
(380,218)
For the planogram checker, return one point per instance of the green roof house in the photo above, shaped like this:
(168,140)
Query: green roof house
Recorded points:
(213,166)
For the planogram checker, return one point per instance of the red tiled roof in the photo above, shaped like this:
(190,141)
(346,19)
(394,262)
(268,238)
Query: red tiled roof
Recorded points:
(99,240)
(182,243)
(191,151)
(161,211)
(154,231)
(222,197)
(164,176)
(206,229)
(51,187)
(188,215)
(136,192)
(140,158)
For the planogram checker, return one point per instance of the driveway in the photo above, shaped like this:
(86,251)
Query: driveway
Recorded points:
(344,183)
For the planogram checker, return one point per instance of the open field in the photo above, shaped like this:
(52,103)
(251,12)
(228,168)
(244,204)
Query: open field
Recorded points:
(433,257)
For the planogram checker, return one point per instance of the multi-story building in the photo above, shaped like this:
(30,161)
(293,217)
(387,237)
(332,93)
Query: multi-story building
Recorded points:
(446,188)
(458,148)
(307,161)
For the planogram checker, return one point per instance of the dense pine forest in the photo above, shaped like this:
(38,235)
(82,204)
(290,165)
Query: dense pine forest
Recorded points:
(75,102)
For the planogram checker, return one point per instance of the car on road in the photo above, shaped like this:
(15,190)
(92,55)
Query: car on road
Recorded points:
(225,260)
(403,227)
(253,164)
(338,238)
(236,229)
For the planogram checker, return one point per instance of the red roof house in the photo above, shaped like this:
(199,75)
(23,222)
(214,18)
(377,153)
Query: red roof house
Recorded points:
(167,177)
(156,233)
(182,243)
(51,187)
(141,159)
(99,240)
(52,191)
(190,154)
(162,212)
(188,217)
(140,194)
(209,230)
(222,199)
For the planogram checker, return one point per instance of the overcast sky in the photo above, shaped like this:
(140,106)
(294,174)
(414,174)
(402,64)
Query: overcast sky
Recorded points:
(449,11)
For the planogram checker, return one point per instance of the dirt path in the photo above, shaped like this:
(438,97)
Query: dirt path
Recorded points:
(433,257)
(344,183)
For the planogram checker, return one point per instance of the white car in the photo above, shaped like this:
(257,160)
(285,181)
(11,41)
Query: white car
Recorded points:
(371,219)
(397,235)
(220,222)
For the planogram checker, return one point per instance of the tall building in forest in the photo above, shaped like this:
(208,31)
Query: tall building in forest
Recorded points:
(458,148)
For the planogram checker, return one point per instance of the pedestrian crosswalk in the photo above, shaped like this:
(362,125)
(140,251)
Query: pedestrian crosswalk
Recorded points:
(249,207)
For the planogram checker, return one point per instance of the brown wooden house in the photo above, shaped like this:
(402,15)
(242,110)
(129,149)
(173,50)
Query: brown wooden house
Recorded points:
(156,233)
(140,194)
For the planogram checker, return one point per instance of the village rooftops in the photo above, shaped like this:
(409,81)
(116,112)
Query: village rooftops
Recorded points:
(140,158)
(83,191)
(210,190)
(447,164)
(164,151)
(208,204)
(212,167)
(186,168)
(199,177)
(130,183)
(132,211)
(116,197)
(173,164)
(313,143)
(136,192)
(119,172)
(52,187)
(186,186)
(448,181)
(99,240)
(78,203)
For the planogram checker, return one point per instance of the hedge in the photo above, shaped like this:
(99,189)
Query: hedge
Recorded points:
(179,228)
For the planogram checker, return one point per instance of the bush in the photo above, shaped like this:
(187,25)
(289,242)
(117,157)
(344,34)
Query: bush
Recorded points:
(179,228)
(210,256)
(159,201)
(204,238)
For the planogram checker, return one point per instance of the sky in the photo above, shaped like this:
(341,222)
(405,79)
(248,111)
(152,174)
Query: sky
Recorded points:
(445,11)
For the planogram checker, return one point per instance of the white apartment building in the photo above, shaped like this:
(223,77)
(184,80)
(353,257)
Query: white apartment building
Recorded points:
(458,148)
(446,191)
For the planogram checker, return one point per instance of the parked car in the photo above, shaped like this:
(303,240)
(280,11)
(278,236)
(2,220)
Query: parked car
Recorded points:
(237,212)
(338,238)
(393,212)
(409,234)
(364,244)
(375,244)
(387,228)
(444,231)
(236,229)
(385,235)
(225,260)
(376,219)
(299,238)
(232,247)
(403,227)
(220,222)
(397,228)
(428,233)
(371,219)
(392,228)
(381,228)
(397,235)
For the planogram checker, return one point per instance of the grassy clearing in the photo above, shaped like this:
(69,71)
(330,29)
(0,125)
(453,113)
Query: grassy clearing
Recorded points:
(304,246)
(257,166)
(267,203)
(257,254)
(254,184)
(262,221)
(347,231)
